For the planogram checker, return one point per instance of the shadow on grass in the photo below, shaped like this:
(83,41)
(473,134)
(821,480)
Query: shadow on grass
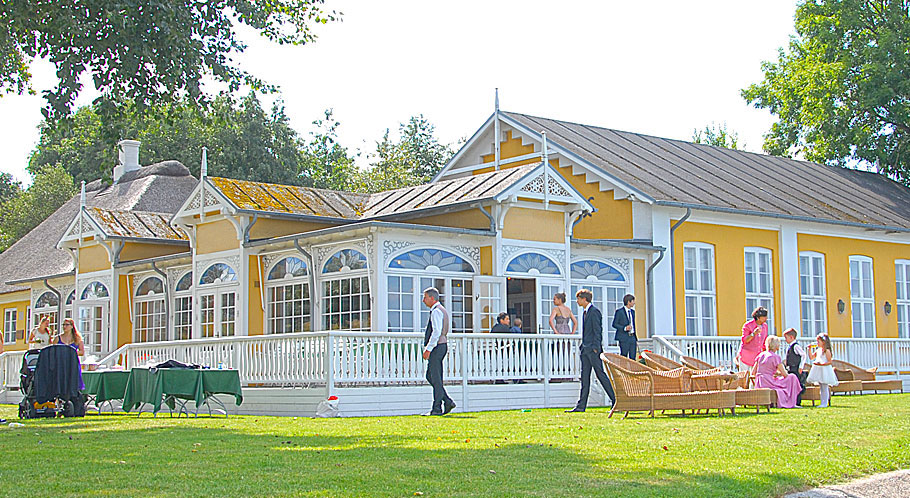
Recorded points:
(179,460)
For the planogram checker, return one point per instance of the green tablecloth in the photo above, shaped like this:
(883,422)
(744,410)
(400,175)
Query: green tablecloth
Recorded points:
(105,385)
(152,386)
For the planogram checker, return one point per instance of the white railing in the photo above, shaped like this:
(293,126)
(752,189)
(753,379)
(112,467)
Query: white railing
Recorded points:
(891,356)
(10,364)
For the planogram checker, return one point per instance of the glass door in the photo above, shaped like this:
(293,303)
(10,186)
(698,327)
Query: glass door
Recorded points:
(218,314)
(93,327)
(546,289)
(488,295)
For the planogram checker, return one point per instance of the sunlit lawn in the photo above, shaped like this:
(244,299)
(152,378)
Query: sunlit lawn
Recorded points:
(538,453)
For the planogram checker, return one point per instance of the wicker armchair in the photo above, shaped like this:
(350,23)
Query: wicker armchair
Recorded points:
(867,377)
(658,362)
(636,392)
(673,381)
(695,363)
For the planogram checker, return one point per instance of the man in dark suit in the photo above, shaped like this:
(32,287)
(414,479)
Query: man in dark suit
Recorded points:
(435,347)
(624,324)
(591,347)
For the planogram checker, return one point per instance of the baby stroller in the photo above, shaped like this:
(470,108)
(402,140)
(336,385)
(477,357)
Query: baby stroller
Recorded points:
(49,381)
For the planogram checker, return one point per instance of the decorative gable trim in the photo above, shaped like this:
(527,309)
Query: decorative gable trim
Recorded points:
(204,197)
(546,184)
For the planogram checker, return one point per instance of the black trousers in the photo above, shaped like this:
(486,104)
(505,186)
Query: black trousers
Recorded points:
(434,376)
(590,359)
(802,384)
(628,347)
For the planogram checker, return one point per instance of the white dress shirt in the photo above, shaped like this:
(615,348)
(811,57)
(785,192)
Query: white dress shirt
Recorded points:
(437,317)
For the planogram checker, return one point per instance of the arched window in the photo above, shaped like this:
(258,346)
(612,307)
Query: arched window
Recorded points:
(346,291)
(94,291)
(217,301)
(413,271)
(183,307)
(148,320)
(606,282)
(70,300)
(532,263)
(46,306)
(288,297)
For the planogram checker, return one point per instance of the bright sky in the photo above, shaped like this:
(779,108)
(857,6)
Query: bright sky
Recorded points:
(660,67)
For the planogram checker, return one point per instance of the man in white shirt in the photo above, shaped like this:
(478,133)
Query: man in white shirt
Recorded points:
(435,344)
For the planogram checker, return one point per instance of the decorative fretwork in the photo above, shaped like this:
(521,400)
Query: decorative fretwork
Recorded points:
(390,247)
(210,199)
(622,263)
(555,188)
(471,252)
(197,201)
(534,186)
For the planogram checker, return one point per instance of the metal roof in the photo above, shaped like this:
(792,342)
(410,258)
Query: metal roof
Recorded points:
(274,198)
(679,173)
(135,224)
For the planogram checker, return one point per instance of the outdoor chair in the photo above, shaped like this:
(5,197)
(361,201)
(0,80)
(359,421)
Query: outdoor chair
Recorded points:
(636,392)
(702,379)
(695,363)
(672,381)
(658,362)
(867,377)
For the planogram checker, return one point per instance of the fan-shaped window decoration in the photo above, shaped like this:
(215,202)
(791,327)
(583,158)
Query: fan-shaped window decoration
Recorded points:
(185,283)
(345,259)
(218,273)
(288,268)
(431,259)
(48,299)
(71,298)
(94,290)
(533,263)
(595,270)
(150,287)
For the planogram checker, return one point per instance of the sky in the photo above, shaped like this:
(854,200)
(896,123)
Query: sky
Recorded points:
(662,68)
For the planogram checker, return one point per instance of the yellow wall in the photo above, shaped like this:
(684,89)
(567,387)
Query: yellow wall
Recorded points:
(641,298)
(510,147)
(216,236)
(125,312)
(93,258)
(265,228)
(486,260)
(140,250)
(535,224)
(837,251)
(255,321)
(469,218)
(20,301)
(729,269)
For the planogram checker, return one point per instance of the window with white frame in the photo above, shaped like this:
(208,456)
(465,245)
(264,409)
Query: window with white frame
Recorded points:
(813,306)
(288,297)
(149,318)
(862,296)
(700,297)
(93,308)
(345,291)
(413,271)
(46,306)
(9,325)
(759,282)
(183,307)
(608,285)
(70,301)
(218,301)
(902,276)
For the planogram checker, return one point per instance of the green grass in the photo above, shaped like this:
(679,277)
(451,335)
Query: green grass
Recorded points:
(539,453)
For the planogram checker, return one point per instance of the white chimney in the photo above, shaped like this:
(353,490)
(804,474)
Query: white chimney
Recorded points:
(129,158)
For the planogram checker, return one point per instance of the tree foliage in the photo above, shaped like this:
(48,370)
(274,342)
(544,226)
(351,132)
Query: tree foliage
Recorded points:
(147,50)
(50,189)
(717,135)
(9,187)
(244,140)
(412,160)
(326,163)
(841,92)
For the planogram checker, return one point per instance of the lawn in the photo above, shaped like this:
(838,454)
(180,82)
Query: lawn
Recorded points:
(514,453)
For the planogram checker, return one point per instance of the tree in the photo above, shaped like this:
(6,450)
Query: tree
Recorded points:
(49,190)
(244,140)
(841,92)
(148,50)
(9,187)
(717,135)
(413,160)
(326,163)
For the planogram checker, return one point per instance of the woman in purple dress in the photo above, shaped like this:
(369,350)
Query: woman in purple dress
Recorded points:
(770,373)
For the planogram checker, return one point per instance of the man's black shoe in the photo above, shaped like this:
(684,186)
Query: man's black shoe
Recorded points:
(448,407)
(433,414)
(576,410)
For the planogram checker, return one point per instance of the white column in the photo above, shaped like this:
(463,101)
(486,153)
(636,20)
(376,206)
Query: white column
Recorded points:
(662,284)
(789,279)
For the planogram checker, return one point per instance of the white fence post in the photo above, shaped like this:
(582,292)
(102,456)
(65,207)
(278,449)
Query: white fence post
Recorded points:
(465,344)
(546,353)
(329,364)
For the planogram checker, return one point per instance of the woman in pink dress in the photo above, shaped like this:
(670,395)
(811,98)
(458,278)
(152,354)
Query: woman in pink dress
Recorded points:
(755,331)
(770,373)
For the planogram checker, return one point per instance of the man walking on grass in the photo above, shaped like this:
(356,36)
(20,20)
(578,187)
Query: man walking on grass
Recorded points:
(591,347)
(435,345)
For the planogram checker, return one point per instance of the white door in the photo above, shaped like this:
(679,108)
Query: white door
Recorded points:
(546,289)
(93,327)
(218,313)
(489,297)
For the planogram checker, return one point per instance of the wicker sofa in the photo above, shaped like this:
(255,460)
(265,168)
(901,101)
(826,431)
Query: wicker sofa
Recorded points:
(867,377)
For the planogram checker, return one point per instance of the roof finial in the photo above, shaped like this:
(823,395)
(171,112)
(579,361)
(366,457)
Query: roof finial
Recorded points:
(497,136)
(204,169)
(546,167)
(82,196)
(497,100)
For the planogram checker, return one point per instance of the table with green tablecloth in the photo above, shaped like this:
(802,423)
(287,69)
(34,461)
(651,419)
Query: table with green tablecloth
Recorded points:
(105,385)
(171,385)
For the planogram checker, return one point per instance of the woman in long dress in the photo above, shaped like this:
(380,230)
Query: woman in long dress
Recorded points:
(770,373)
(562,315)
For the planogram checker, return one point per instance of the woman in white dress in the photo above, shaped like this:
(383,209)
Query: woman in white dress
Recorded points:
(822,371)
(41,335)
